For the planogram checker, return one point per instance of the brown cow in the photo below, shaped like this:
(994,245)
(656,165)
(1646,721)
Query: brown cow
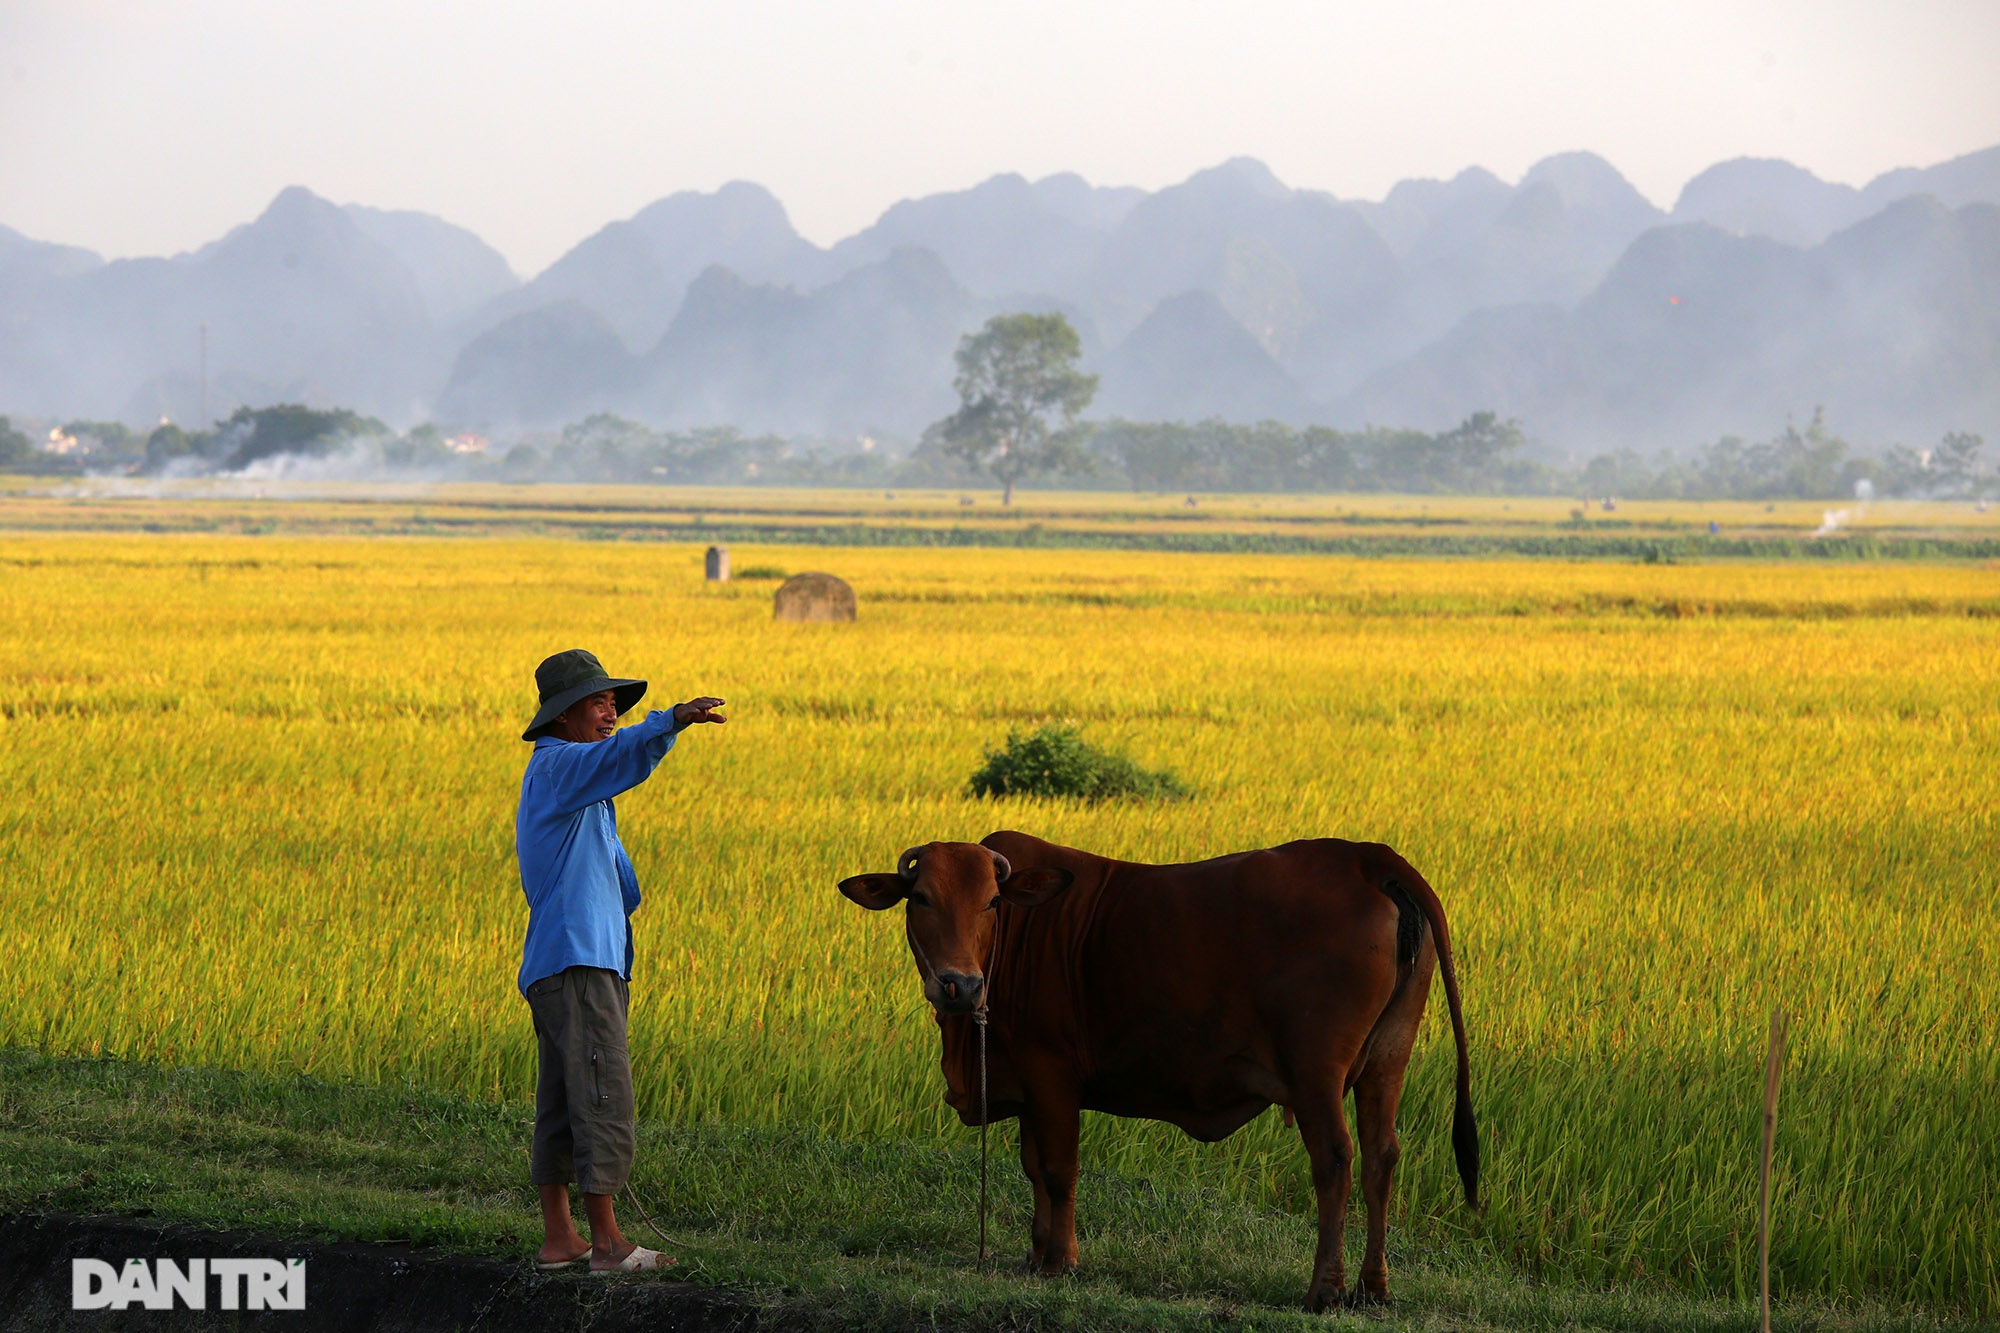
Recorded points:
(1195,994)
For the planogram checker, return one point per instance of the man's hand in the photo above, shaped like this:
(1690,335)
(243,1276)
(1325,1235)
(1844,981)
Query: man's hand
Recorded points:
(698,710)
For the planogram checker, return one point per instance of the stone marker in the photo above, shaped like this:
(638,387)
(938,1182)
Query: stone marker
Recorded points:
(816,597)
(717,564)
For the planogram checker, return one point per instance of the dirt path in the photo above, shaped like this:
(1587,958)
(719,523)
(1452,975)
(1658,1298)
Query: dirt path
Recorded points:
(349,1286)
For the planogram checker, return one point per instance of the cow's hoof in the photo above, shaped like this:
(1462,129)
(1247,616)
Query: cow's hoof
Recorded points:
(1320,1299)
(1362,1298)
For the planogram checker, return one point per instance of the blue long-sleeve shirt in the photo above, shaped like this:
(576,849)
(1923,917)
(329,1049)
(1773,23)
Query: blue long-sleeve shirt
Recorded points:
(580,884)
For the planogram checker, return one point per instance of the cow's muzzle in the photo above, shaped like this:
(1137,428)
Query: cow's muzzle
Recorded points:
(958,992)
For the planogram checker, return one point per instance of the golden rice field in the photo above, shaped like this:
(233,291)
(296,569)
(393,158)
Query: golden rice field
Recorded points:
(259,795)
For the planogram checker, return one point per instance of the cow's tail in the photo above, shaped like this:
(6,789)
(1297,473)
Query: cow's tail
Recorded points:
(1464,1130)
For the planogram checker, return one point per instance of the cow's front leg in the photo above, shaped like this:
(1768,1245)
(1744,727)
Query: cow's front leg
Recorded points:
(1053,1124)
(1324,1130)
(1031,1167)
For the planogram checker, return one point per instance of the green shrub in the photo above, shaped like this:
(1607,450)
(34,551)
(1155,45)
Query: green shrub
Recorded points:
(1055,761)
(759,572)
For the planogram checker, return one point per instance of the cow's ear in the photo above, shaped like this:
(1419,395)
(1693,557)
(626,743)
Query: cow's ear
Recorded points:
(1029,888)
(876,892)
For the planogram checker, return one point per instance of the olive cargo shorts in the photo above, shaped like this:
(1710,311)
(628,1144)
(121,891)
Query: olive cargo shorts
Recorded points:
(583,1098)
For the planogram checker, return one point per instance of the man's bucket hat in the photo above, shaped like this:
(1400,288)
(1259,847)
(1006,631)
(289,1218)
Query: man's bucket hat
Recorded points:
(573,675)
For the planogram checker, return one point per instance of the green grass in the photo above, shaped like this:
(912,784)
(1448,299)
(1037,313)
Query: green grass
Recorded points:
(840,1233)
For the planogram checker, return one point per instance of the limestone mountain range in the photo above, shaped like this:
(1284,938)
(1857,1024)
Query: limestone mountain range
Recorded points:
(1565,299)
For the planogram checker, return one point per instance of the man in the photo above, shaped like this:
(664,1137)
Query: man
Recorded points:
(577,962)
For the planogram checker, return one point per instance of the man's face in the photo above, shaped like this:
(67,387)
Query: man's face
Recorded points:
(588,720)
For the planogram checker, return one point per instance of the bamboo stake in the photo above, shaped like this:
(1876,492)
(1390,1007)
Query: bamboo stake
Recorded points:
(1774,1063)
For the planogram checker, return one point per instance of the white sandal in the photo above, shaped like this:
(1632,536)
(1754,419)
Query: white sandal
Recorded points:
(639,1261)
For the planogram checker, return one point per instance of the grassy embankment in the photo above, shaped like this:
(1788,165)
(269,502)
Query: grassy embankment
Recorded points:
(805,1228)
(260,809)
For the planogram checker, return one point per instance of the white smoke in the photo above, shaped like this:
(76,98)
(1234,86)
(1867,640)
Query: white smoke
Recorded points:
(359,458)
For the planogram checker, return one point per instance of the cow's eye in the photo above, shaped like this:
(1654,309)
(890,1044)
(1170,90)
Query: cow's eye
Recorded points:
(994,904)
(918,900)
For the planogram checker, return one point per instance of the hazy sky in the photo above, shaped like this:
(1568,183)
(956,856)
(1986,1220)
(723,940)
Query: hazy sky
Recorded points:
(151,126)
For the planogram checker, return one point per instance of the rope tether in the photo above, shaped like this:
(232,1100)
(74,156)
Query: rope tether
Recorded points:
(979,1017)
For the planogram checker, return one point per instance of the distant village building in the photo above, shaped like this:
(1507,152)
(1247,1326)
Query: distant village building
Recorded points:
(467,444)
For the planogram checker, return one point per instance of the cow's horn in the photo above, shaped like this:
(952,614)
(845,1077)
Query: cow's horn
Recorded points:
(1000,866)
(906,864)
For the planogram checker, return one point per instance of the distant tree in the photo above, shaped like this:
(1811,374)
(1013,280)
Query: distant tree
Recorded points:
(15,448)
(1813,463)
(106,441)
(1156,455)
(1621,473)
(1899,471)
(1019,394)
(422,447)
(610,448)
(1214,455)
(1474,455)
(1328,460)
(425,438)
(607,430)
(290,428)
(1805,463)
(1809,464)
(604,447)
(164,445)
(1469,455)
(521,460)
(1955,463)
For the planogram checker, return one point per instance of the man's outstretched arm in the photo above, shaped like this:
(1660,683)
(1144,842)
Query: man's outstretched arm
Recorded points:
(584,774)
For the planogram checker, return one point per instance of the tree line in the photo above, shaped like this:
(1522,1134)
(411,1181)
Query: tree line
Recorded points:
(1021,396)
(1482,455)
(1020,419)
(1812,463)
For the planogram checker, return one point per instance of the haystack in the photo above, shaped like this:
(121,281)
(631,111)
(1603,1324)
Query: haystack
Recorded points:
(814,597)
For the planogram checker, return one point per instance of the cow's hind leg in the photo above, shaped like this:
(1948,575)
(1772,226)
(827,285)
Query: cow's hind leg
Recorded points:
(1375,1099)
(1377,1092)
(1324,1130)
